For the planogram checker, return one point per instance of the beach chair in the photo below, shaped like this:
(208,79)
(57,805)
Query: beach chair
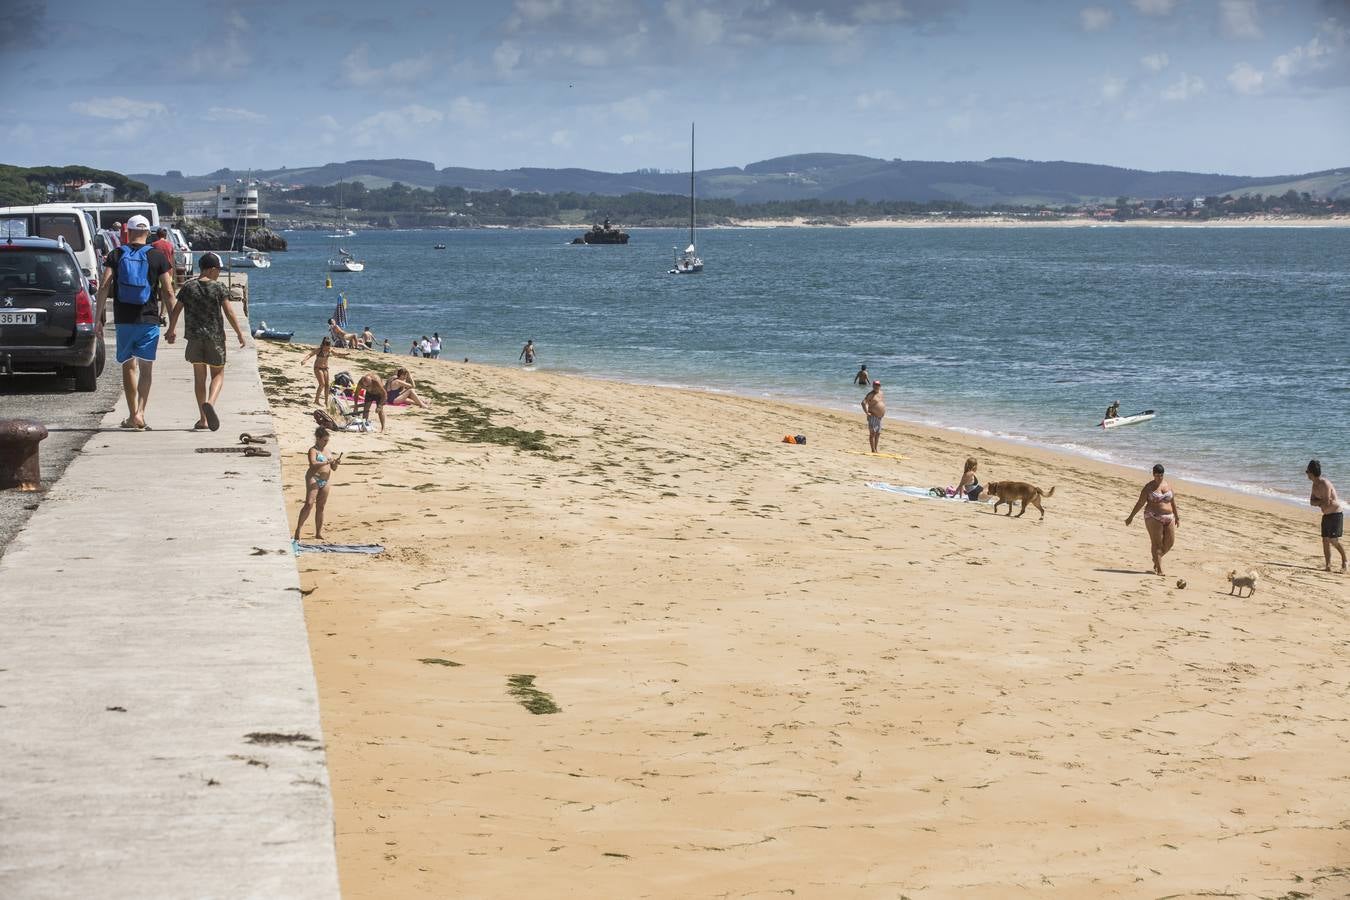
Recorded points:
(347,417)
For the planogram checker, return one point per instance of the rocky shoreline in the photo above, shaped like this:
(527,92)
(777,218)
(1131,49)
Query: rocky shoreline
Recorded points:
(208,234)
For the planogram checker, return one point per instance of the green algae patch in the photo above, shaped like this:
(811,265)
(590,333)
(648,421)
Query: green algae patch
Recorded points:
(527,695)
(437,661)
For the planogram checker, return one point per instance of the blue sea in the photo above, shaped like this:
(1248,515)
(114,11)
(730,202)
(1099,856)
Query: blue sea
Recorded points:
(1238,337)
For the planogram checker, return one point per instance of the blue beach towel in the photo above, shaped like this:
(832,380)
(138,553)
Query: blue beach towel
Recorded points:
(912,491)
(370,549)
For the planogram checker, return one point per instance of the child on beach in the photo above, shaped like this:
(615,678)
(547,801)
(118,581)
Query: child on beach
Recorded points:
(321,467)
(969,486)
(1333,518)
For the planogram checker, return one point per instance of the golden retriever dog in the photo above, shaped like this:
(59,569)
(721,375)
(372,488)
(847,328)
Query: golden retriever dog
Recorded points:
(1009,491)
(1238,582)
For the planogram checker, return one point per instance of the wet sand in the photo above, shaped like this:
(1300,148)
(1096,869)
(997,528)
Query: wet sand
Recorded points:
(771,679)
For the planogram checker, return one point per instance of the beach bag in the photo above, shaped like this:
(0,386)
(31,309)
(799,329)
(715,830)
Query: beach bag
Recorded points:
(133,275)
(343,379)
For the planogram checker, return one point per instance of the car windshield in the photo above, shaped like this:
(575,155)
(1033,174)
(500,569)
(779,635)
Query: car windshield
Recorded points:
(26,267)
(48,225)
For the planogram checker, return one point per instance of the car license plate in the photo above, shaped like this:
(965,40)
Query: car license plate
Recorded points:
(18,318)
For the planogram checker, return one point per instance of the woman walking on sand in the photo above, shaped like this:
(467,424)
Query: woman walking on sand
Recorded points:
(1162,518)
(1333,518)
(321,354)
(321,467)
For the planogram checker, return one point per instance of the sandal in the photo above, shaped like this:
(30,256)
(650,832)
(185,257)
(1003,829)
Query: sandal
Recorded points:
(212,420)
(200,427)
(127,423)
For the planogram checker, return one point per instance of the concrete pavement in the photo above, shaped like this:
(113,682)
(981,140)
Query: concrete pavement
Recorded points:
(70,417)
(159,722)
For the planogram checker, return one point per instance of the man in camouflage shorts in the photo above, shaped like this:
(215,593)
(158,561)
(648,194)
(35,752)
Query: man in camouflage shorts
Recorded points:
(205,298)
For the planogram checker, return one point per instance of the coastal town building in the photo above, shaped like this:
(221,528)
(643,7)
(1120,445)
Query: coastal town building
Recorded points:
(227,204)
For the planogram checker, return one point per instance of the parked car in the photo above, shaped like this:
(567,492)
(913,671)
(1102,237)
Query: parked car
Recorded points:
(57,220)
(182,252)
(47,312)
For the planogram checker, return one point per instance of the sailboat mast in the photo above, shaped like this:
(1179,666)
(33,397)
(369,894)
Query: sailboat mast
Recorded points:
(691,184)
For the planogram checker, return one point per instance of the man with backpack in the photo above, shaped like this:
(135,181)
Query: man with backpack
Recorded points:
(140,281)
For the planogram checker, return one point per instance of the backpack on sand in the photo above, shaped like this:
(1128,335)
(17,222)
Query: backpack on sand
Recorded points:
(133,275)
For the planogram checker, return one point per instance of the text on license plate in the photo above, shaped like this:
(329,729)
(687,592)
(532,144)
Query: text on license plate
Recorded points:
(18,318)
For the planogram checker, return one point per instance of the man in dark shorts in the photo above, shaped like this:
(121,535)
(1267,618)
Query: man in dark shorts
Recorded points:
(1333,517)
(142,292)
(862,377)
(203,299)
(527,352)
(375,394)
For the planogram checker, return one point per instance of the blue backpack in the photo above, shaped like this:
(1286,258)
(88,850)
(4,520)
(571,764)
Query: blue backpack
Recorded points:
(133,275)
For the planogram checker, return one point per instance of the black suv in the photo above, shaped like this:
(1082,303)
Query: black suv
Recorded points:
(46,313)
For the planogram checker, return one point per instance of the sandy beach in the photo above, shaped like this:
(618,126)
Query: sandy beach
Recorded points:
(624,642)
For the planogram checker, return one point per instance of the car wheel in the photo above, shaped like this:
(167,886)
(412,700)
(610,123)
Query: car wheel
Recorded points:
(100,357)
(86,377)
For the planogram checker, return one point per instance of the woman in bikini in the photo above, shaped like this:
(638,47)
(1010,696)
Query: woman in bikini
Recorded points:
(321,354)
(401,385)
(1162,518)
(321,467)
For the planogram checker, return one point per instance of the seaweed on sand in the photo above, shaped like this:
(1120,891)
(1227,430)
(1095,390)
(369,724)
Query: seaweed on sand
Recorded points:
(536,701)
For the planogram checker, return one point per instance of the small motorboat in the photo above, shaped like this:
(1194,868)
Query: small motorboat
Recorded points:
(438,247)
(345,262)
(263,333)
(1128,420)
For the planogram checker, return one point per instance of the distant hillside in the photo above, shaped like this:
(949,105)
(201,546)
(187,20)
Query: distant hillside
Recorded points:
(823,176)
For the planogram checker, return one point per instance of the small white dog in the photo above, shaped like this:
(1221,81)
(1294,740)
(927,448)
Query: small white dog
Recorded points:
(1238,582)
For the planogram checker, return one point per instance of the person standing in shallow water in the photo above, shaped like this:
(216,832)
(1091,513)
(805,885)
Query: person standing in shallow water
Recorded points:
(1333,518)
(875,407)
(527,352)
(1162,518)
(862,377)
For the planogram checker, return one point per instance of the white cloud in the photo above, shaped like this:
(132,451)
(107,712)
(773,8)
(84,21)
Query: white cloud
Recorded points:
(560,138)
(1246,80)
(1185,88)
(118,108)
(1113,88)
(328,122)
(960,123)
(358,72)
(1317,54)
(233,114)
(468,113)
(1155,7)
(506,57)
(1239,19)
(1096,18)
(881,100)
(1155,62)
(404,122)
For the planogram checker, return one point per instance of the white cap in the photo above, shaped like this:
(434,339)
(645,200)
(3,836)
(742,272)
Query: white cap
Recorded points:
(138,223)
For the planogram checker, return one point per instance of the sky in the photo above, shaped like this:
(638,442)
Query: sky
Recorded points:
(1249,87)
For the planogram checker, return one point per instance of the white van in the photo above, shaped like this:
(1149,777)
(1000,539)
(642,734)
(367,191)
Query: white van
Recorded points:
(56,220)
(105,214)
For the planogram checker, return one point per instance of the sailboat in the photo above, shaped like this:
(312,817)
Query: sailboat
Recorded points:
(688,262)
(343,260)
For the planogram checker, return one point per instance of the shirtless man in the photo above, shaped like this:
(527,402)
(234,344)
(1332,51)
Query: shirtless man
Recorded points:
(875,407)
(375,393)
(527,353)
(1333,519)
(341,338)
(862,377)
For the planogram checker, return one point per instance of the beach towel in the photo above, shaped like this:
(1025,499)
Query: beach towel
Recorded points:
(913,491)
(370,549)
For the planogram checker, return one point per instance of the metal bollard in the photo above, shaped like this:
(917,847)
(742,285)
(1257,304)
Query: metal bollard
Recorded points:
(19,440)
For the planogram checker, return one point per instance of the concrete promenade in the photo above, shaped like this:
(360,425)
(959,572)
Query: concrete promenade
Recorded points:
(159,723)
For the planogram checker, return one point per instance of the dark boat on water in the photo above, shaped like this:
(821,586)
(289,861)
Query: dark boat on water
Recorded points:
(603,234)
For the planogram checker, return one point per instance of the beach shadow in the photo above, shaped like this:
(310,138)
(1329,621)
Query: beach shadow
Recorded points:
(1294,566)
(1126,571)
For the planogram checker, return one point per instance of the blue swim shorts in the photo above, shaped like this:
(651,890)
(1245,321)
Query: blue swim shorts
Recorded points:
(139,340)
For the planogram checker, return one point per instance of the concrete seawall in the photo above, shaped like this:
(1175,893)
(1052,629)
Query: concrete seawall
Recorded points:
(159,722)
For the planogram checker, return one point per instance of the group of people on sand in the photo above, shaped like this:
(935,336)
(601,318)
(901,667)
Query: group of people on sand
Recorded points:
(138,279)
(1162,516)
